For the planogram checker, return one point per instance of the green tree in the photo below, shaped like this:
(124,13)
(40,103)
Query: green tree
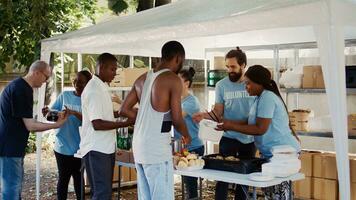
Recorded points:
(122,6)
(23,23)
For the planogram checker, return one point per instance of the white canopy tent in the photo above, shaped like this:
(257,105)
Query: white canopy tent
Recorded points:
(202,24)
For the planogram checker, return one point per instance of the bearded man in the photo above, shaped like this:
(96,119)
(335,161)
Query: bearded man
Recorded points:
(232,101)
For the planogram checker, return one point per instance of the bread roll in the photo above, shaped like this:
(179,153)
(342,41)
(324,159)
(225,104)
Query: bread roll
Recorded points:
(182,164)
(192,156)
(184,160)
(192,163)
(200,162)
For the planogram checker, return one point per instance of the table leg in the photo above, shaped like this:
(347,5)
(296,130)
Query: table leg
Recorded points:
(254,193)
(119,184)
(200,188)
(290,190)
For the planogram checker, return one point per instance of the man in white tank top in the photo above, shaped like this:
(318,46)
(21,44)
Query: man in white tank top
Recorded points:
(159,94)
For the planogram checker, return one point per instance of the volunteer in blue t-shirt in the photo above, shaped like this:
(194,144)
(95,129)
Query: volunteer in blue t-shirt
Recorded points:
(68,138)
(268,121)
(232,102)
(190,106)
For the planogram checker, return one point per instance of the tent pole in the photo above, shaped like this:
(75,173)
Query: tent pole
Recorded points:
(80,62)
(149,62)
(131,61)
(38,105)
(62,72)
(331,44)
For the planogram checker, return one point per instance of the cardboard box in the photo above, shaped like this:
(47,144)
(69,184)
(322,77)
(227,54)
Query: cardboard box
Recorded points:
(306,159)
(353,170)
(303,189)
(125,156)
(351,124)
(299,120)
(324,189)
(353,191)
(126,77)
(133,175)
(324,166)
(125,174)
(313,77)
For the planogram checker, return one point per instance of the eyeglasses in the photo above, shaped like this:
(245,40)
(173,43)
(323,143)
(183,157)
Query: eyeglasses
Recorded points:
(46,76)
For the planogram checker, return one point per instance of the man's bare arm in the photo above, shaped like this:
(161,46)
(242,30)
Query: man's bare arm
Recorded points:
(127,108)
(176,108)
(99,124)
(34,125)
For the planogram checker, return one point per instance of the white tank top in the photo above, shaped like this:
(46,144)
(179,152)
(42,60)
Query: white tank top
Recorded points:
(152,137)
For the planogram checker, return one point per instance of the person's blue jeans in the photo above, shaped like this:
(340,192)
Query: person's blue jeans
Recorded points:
(191,183)
(155,181)
(11,176)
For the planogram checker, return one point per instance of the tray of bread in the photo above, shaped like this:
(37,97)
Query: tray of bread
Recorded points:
(186,161)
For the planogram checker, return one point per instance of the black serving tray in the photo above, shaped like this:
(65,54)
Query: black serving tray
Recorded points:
(243,166)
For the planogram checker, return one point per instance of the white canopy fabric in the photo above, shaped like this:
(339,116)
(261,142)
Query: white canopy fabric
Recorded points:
(201,24)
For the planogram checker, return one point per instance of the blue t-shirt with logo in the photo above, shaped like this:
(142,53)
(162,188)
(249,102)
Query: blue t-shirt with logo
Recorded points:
(237,103)
(269,105)
(67,136)
(190,105)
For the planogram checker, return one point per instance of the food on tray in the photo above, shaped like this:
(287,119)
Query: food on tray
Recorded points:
(182,164)
(192,163)
(192,156)
(175,160)
(186,159)
(219,157)
(231,158)
(185,152)
(201,162)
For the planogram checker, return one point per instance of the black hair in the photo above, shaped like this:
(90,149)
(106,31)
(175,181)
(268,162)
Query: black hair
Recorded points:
(86,74)
(187,75)
(262,76)
(105,58)
(238,54)
(171,49)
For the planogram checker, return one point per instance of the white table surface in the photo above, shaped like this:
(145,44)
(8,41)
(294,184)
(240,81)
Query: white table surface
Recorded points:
(230,177)
(233,177)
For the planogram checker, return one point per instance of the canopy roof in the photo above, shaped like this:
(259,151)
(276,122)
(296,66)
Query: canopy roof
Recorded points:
(205,24)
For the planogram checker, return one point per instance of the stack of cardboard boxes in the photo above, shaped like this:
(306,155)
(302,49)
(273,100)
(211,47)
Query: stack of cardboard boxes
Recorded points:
(127,174)
(320,177)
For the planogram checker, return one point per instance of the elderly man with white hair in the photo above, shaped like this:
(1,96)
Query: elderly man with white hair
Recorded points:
(16,121)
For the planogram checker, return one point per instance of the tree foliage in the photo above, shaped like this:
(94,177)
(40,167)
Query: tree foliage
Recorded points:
(24,23)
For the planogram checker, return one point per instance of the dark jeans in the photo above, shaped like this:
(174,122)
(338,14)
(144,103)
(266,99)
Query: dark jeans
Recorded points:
(191,183)
(68,166)
(230,147)
(100,168)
